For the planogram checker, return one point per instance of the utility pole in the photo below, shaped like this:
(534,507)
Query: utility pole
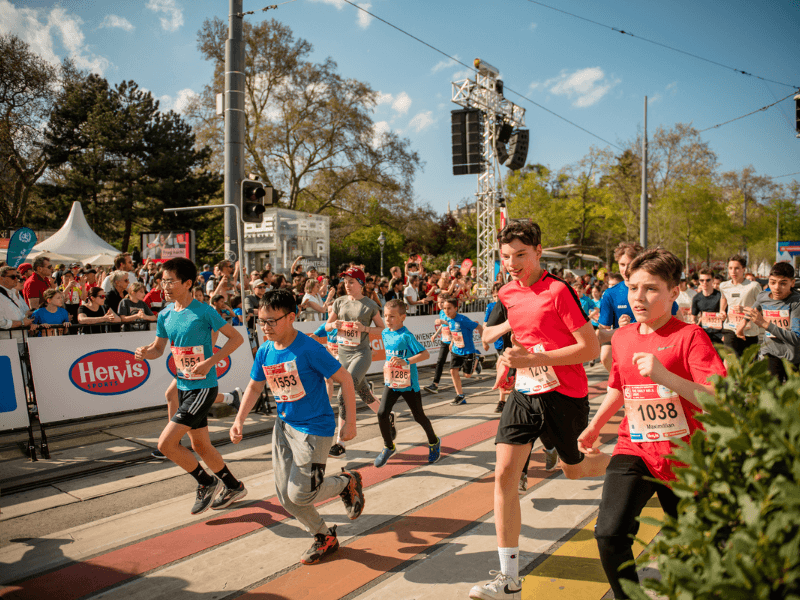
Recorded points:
(234,129)
(643,203)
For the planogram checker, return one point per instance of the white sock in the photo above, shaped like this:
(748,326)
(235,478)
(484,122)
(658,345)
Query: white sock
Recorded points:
(227,398)
(509,562)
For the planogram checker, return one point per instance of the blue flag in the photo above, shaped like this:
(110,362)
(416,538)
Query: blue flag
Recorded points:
(22,242)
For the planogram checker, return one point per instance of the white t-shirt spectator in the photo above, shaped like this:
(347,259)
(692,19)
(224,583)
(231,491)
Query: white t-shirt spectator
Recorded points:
(411,293)
(310,313)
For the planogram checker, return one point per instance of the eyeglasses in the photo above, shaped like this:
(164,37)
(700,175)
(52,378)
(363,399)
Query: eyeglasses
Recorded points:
(101,296)
(11,276)
(168,283)
(271,322)
(704,280)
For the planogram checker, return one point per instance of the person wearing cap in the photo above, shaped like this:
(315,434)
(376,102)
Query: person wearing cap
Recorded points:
(252,301)
(354,316)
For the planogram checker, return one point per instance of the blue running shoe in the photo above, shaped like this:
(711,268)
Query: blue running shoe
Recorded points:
(381,459)
(458,400)
(435,451)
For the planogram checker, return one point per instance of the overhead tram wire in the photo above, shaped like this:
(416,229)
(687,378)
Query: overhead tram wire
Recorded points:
(471,68)
(787,175)
(644,39)
(750,113)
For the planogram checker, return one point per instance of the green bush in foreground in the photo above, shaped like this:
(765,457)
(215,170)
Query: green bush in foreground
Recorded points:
(738,530)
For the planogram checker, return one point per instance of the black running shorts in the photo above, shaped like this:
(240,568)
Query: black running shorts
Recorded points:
(464,362)
(194,407)
(552,414)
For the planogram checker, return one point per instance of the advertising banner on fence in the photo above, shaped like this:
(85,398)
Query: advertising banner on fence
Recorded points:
(423,329)
(78,376)
(13,407)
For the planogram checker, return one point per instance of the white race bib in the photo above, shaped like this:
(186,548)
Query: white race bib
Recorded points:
(655,413)
(536,380)
(347,335)
(333,348)
(446,338)
(457,338)
(186,358)
(781,319)
(712,320)
(397,377)
(735,314)
(284,382)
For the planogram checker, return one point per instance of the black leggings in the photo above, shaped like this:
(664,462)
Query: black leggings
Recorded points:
(738,344)
(414,401)
(444,350)
(626,491)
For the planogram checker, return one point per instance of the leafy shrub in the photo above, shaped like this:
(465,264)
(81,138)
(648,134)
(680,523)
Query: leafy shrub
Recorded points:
(737,535)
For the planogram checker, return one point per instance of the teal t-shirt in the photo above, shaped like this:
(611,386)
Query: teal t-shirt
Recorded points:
(403,344)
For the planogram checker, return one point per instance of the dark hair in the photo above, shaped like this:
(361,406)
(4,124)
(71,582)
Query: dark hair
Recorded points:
(236,302)
(182,267)
(279,300)
(119,260)
(740,259)
(452,300)
(782,269)
(95,291)
(719,277)
(39,262)
(496,287)
(216,298)
(659,263)
(629,249)
(527,232)
(398,304)
(706,271)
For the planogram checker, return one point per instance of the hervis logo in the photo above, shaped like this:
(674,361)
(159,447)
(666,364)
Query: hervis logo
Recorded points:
(108,372)
(223,366)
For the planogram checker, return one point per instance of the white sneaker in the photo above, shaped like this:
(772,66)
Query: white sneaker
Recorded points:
(501,587)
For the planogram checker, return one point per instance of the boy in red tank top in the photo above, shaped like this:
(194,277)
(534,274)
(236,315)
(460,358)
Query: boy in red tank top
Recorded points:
(659,366)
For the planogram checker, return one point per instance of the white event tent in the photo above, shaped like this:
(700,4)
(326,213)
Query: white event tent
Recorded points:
(76,239)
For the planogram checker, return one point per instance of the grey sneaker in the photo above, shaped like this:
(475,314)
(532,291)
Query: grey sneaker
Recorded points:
(205,495)
(523,483)
(432,388)
(228,497)
(551,460)
(158,455)
(501,587)
(237,398)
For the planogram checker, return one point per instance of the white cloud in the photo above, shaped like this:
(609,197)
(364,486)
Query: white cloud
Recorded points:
(174,14)
(378,130)
(443,64)
(41,27)
(672,87)
(113,21)
(465,74)
(383,99)
(340,4)
(584,87)
(402,103)
(654,98)
(363,18)
(422,120)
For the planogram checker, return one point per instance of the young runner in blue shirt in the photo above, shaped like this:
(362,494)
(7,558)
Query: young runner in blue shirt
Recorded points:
(444,346)
(401,380)
(295,367)
(462,346)
(188,324)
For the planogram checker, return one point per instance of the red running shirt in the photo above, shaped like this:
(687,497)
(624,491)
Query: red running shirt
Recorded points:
(547,313)
(684,350)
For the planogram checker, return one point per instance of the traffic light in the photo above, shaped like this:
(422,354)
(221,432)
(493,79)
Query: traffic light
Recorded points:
(252,201)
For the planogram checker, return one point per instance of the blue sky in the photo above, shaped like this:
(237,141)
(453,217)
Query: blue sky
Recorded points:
(588,74)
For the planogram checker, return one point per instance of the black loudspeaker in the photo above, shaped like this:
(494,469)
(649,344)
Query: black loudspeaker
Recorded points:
(518,149)
(504,132)
(502,153)
(467,140)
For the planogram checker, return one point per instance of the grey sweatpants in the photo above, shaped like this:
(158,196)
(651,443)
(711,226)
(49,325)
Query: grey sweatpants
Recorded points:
(357,364)
(298,461)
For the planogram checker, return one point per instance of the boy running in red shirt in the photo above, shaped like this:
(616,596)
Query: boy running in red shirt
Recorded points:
(659,365)
(552,338)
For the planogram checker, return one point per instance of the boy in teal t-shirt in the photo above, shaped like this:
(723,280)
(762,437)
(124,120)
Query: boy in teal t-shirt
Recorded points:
(401,380)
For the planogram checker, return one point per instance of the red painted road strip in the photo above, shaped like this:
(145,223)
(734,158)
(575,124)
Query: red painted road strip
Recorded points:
(115,567)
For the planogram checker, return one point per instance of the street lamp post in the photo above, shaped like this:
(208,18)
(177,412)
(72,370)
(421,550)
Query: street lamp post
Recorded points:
(381,241)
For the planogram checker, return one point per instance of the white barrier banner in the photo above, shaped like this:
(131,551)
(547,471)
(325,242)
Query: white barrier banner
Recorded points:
(423,329)
(13,406)
(78,376)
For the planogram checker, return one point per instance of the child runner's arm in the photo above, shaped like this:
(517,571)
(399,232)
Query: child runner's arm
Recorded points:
(330,325)
(153,351)
(251,394)
(234,341)
(345,381)
(613,402)
(497,325)
(586,348)
(650,366)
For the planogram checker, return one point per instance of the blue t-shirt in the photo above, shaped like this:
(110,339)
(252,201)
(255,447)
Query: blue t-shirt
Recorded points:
(498,344)
(187,328)
(206,275)
(331,335)
(402,343)
(443,317)
(307,363)
(588,305)
(614,304)
(237,317)
(43,316)
(465,326)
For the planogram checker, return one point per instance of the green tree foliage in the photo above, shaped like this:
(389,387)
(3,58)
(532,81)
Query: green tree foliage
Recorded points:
(308,130)
(737,535)
(28,87)
(126,161)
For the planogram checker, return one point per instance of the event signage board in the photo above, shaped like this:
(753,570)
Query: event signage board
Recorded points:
(13,406)
(422,327)
(160,246)
(79,376)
